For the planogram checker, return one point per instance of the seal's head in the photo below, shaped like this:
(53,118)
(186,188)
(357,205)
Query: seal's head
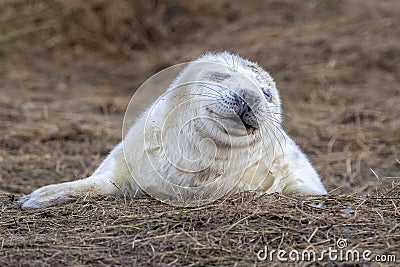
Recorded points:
(235,91)
(245,91)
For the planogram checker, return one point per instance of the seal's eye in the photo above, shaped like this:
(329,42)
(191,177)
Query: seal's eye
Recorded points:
(218,76)
(267,94)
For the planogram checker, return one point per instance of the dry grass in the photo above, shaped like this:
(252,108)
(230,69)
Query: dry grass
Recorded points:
(68,69)
(112,26)
(145,232)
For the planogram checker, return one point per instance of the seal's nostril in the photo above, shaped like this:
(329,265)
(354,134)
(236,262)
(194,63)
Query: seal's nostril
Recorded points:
(242,103)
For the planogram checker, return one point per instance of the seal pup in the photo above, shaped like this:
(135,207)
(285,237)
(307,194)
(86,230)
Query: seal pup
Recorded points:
(215,131)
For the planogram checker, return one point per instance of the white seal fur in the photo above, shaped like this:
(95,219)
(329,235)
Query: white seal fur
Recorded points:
(216,131)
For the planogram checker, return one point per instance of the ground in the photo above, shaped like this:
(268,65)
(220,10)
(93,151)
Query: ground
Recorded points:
(68,70)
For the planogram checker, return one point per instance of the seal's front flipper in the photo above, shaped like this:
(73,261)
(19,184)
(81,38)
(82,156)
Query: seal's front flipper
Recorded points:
(56,194)
(297,174)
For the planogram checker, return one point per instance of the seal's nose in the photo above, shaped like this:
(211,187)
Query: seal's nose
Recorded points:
(250,98)
(247,102)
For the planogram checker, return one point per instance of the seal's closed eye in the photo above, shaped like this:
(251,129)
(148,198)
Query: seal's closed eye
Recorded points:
(218,76)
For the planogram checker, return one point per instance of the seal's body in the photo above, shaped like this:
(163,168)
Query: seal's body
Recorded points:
(215,131)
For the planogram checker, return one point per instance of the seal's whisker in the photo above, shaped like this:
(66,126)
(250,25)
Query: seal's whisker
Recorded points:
(221,116)
(280,131)
(281,114)
(193,94)
(276,125)
(202,107)
(276,137)
(212,89)
(267,148)
(210,96)
(272,142)
(274,120)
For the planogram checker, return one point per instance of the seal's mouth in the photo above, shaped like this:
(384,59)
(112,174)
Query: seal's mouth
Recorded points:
(249,129)
(237,121)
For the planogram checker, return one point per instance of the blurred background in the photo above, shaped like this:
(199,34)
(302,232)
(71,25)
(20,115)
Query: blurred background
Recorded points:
(69,68)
